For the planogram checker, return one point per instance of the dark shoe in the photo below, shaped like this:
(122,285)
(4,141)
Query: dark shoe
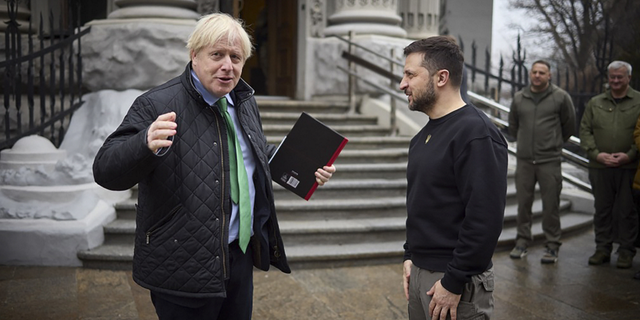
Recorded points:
(599,258)
(625,260)
(550,256)
(518,252)
(637,275)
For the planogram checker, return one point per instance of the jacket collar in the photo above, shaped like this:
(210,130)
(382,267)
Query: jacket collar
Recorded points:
(527,91)
(631,94)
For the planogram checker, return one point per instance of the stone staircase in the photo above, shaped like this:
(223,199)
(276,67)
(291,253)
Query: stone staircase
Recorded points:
(357,218)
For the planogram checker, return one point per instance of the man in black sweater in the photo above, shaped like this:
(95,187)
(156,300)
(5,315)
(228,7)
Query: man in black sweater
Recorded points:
(456,174)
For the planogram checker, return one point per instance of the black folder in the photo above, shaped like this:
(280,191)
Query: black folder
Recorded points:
(308,146)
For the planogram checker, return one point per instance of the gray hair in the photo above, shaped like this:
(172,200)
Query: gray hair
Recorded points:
(619,64)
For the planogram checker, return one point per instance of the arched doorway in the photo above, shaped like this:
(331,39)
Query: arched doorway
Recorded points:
(273,25)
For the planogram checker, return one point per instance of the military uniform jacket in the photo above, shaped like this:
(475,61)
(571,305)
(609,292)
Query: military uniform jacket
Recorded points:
(541,129)
(607,126)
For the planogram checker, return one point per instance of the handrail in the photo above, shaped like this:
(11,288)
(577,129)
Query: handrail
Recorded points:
(393,94)
(371,66)
(397,62)
(353,59)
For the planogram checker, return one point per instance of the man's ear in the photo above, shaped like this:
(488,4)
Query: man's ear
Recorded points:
(443,77)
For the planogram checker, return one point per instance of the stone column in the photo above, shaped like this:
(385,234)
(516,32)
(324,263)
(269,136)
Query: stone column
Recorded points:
(420,18)
(365,17)
(172,9)
(141,44)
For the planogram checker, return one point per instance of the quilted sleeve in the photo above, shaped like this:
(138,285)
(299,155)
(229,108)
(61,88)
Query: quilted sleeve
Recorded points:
(124,159)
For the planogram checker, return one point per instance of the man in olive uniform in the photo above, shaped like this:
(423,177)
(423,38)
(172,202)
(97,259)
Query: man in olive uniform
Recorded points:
(606,134)
(542,119)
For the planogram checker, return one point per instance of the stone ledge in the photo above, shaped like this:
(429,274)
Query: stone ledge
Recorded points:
(45,242)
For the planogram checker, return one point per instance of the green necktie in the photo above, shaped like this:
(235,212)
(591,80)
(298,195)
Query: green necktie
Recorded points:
(239,180)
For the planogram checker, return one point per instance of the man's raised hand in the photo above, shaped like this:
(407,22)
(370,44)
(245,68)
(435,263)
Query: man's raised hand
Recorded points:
(161,129)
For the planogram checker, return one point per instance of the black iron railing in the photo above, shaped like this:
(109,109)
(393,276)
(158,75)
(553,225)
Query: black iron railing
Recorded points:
(51,97)
(494,110)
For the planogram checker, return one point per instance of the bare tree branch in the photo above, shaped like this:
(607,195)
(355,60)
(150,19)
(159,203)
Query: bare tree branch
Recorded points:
(575,26)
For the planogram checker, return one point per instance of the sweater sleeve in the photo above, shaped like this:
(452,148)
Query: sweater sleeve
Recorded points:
(481,176)
(124,159)
(513,118)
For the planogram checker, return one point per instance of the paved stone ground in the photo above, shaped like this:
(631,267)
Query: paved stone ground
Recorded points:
(525,289)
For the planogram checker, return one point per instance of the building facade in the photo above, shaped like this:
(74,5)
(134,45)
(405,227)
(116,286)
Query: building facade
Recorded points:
(295,40)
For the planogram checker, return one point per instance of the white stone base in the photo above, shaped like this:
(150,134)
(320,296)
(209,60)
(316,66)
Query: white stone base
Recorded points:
(323,78)
(45,242)
(408,124)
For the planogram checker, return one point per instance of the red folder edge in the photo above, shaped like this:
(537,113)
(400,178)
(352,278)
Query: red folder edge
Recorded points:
(333,158)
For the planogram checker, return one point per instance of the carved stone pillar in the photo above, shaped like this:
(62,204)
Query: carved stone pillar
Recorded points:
(143,40)
(317,17)
(366,17)
(172,9)
(420,18)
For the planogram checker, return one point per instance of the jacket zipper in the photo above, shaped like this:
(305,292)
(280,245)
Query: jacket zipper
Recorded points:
(222,196)
(533,140)
(224,228)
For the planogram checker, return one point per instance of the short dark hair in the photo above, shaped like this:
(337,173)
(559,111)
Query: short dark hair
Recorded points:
(542,62)
(439,52)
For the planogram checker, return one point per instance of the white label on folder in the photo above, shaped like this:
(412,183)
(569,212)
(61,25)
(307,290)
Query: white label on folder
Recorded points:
(293,182)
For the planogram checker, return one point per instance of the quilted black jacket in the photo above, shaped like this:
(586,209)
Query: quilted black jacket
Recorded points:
(184,206)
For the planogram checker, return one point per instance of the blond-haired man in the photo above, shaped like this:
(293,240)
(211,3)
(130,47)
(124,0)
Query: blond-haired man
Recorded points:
(205,212)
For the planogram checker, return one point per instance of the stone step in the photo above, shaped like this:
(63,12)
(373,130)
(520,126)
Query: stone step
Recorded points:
(297,106)
(356,241)
(348,131)
(357,143)
(339,255)
(339,209)
(371,171)
(297,213)
(329,119)
(396,155)
(127,209)
(341,232)
(349,188)
(108,257)
(120,232)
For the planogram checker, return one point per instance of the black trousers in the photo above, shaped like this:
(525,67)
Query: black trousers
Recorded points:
(236,306)
(616,219)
